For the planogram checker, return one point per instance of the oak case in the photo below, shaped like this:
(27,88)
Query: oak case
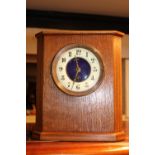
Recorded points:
(94,117)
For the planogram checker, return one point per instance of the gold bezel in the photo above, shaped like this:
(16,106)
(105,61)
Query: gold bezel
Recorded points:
(58,83)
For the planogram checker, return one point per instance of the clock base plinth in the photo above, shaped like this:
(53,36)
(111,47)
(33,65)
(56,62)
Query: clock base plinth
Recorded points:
(76,136)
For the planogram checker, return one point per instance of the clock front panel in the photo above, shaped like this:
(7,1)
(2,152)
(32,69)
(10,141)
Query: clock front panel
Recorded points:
(78,86)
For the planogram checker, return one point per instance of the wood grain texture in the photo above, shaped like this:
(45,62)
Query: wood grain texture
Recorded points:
(39,90)
(98,112)
(77,114)
(117,83)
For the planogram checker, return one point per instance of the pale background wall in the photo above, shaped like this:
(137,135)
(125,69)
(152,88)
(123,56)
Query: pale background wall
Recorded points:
(31,48)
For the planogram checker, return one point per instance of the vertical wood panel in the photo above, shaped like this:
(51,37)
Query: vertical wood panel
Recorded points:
(117,82)
(39,90)
(91,113)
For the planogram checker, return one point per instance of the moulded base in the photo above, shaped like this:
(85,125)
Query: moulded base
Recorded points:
(76,136)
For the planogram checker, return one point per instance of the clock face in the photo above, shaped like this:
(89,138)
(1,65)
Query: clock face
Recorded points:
(77,70)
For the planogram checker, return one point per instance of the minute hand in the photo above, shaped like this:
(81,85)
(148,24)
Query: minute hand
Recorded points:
(77,72)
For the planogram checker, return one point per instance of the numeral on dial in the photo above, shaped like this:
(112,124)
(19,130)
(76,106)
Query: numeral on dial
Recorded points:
(86,85)
(63,59)
(69,84)
(92,60)
(92,78)
(78,52)
(62,77)
(70,54)
(60,69)
(86,54)
(77,87)
(94,69)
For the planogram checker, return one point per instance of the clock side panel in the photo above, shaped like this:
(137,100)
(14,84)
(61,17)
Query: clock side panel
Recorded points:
(117,83)
(39,90)
(90,113)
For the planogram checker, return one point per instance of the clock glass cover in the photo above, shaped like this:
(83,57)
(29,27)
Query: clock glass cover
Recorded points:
(77,70)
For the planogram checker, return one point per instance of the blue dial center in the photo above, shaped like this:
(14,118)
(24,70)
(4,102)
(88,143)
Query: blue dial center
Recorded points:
(78,69)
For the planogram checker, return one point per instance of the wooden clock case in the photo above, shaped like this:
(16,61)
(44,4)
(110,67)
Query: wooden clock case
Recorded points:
(94,117)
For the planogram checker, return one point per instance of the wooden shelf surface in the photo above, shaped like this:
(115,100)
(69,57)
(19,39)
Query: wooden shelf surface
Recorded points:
(69,148)
(77,148)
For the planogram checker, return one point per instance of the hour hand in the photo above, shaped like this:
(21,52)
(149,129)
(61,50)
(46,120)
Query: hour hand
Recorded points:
(76,61)
(78,69)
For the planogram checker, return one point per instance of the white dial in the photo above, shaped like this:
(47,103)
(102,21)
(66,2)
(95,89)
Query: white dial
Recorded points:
(77,70)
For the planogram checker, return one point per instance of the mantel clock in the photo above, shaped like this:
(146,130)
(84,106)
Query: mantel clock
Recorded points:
(79,89)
